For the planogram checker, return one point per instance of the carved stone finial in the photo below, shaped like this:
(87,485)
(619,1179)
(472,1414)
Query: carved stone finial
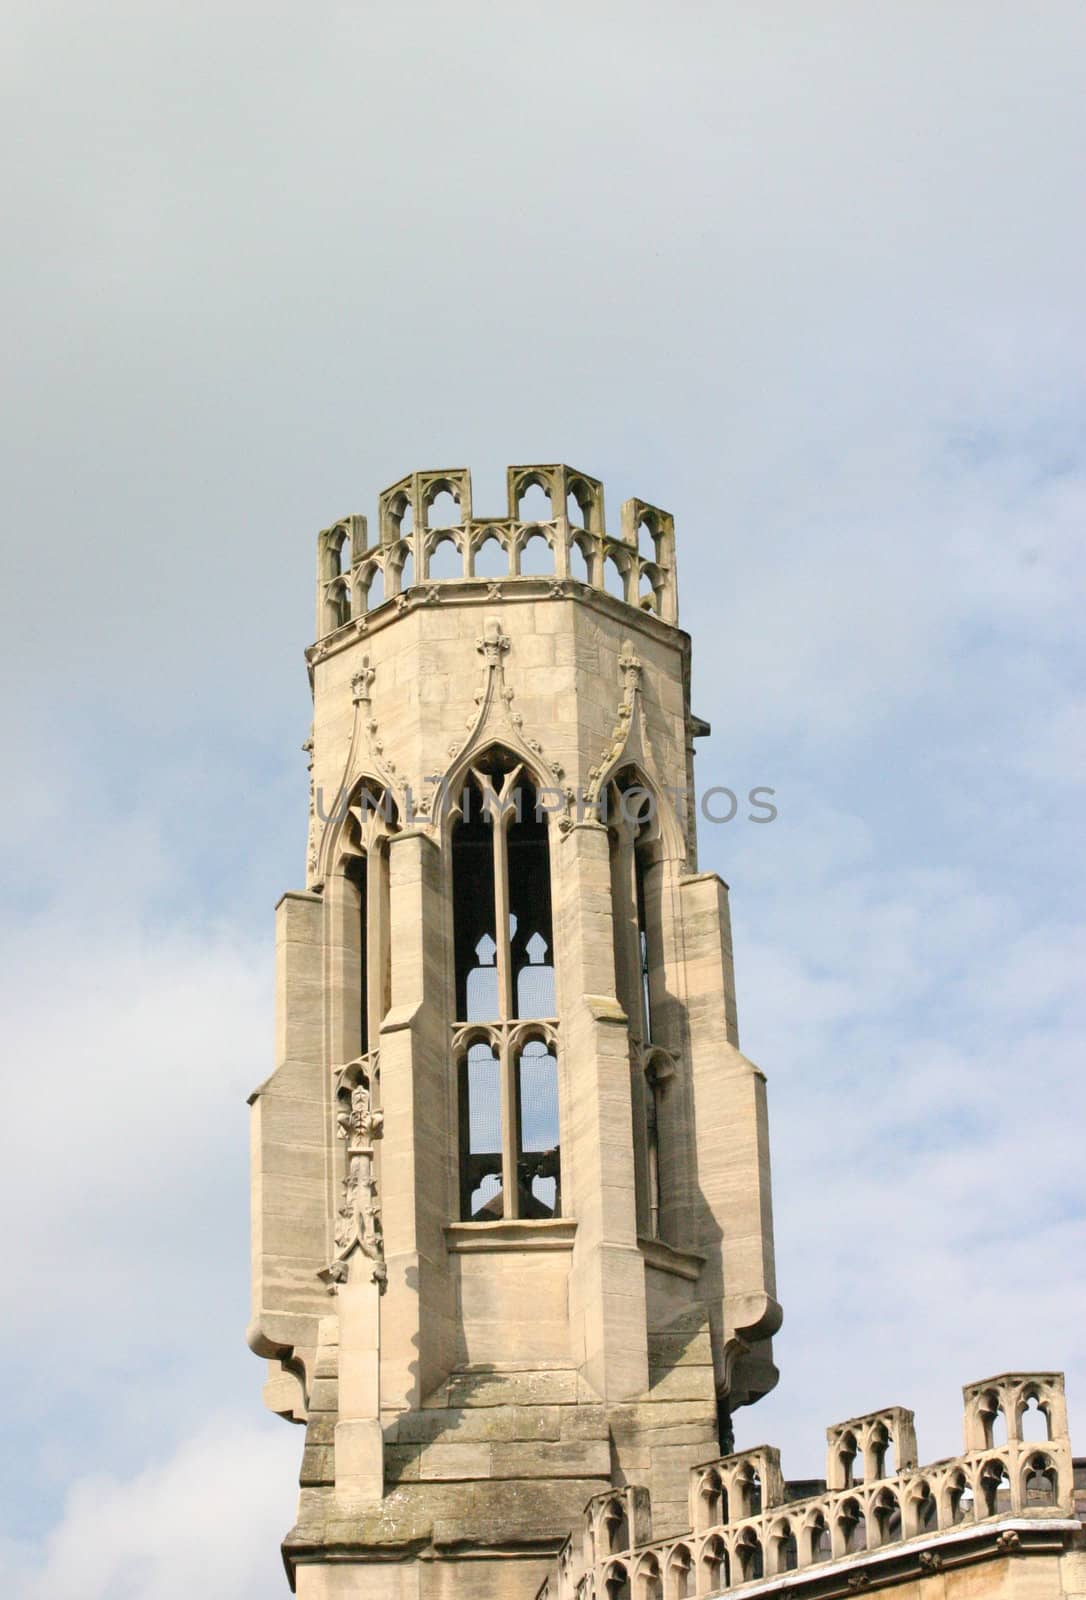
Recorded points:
(630,663)
(493,641)
(360,683)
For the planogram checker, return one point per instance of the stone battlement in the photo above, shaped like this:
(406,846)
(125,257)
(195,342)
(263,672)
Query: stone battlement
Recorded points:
(428,534)
(745,1528)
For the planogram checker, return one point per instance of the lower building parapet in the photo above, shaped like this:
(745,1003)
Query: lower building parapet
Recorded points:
(1006,1495)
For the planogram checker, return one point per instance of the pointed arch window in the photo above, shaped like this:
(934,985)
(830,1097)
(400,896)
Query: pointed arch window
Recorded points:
(631,814)
(361,897)
(510,1155)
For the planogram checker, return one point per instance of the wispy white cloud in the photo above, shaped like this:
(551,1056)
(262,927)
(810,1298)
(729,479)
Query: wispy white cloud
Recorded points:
(926,1095)
(206,1519)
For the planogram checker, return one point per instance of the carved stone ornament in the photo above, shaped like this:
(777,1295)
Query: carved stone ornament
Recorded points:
(377,765)
(360,683)
(630,668)
(313,835)
(358,1221)
(494,716)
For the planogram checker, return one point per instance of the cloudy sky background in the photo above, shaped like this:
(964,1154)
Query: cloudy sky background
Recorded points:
(808,275)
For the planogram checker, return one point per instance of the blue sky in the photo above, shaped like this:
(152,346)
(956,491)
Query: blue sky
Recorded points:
(808,276)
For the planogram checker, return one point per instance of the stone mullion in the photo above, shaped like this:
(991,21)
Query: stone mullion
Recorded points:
(507,1070)
(504,957)
(499,822)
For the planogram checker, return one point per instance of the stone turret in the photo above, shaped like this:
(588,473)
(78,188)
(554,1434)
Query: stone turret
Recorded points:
(512,1239)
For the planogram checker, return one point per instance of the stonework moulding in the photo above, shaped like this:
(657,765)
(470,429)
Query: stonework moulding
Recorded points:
(630,745)
(495,721)
(376,767)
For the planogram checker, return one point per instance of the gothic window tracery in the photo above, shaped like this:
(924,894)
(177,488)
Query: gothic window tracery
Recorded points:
(364,935)
(510,1154)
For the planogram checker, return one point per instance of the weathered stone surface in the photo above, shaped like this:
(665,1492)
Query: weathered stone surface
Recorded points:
(572,1458)
(491,1388)
(496,1423)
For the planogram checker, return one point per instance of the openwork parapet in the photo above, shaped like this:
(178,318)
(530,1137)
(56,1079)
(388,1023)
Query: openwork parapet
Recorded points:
(427,536)
(744,1528)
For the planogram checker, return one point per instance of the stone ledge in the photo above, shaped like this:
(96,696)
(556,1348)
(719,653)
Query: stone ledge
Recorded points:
(895,1563)
(667,1258)
(544,1233)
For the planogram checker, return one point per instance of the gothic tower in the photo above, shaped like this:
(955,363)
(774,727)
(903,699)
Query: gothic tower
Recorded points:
(512,1240)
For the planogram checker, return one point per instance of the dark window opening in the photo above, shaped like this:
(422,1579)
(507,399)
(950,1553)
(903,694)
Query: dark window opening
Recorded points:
(643,947)
(530,911)
(617,1528)
(618,1584)
(357,875)
(473,890)
(652,1133)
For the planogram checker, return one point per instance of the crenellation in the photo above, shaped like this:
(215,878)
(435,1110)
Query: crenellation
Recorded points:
(356,577)
(744,1528)
(858,1451)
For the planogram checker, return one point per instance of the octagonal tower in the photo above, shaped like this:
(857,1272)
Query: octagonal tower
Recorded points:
(512,1240)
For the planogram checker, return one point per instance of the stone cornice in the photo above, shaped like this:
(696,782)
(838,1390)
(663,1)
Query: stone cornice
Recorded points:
(527,1233)
(920,1558)
(477,592)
